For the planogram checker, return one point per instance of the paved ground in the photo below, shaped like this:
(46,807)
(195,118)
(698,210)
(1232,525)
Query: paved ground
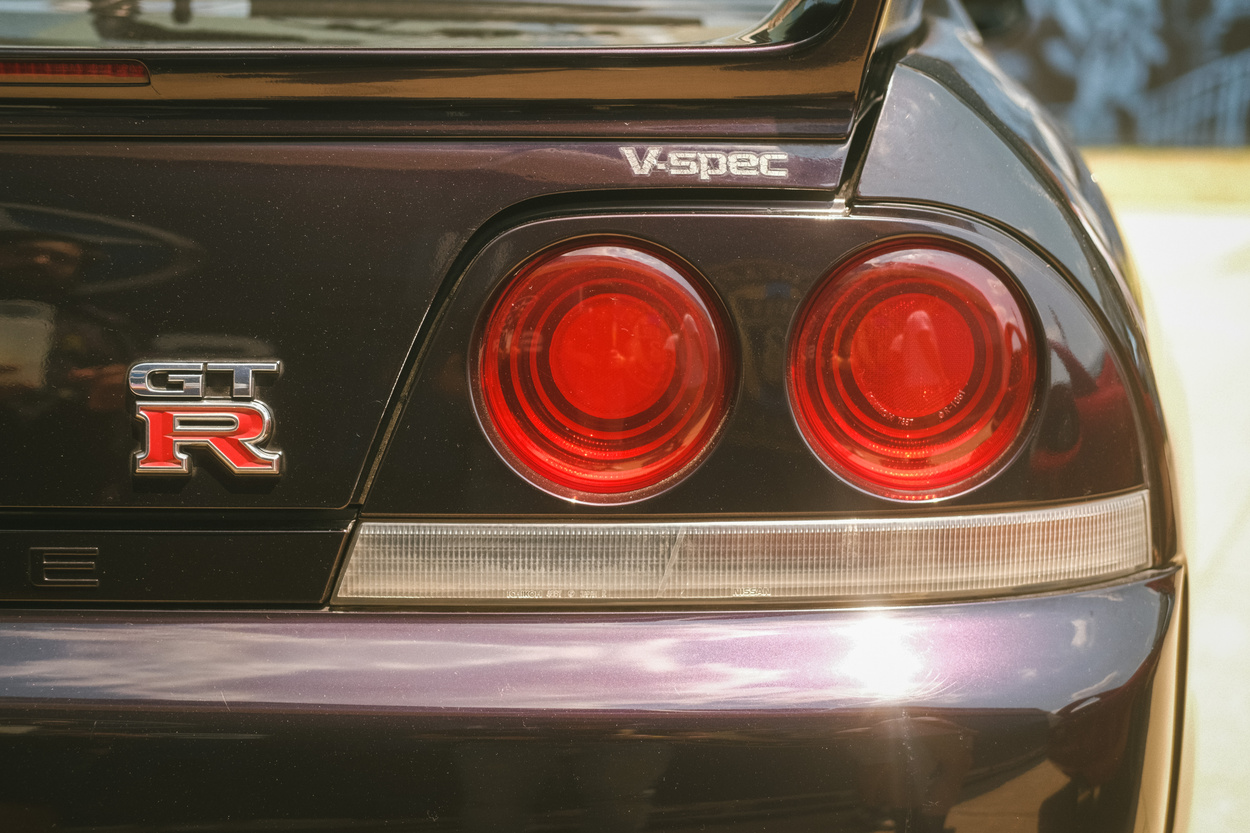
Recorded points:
(1186,215)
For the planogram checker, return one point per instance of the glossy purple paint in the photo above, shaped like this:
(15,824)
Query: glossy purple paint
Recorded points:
(847,720)
(1046,653)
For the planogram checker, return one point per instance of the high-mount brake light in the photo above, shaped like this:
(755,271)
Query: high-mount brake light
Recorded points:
(73,73)
(912,369)
(602,370)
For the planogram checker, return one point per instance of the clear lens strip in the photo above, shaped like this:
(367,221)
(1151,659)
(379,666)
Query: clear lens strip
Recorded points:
(805,559)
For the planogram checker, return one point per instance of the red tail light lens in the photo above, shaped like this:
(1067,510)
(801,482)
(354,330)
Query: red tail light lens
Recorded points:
(912,370)
(602,371)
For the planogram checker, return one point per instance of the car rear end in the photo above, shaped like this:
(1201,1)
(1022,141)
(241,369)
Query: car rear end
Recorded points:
(552,416)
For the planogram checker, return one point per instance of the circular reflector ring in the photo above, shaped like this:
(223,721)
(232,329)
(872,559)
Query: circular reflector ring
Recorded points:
(602,370)
(913,368)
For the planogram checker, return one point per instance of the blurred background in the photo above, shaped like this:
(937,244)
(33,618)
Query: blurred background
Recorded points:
(1152,72)
(1157,92)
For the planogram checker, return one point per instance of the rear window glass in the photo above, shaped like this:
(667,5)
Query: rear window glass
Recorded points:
(378,24)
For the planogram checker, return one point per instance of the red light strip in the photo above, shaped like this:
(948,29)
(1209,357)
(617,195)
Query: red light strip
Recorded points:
(73,72)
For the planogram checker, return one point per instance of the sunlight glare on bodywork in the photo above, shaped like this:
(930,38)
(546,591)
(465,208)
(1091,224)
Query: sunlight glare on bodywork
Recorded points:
(884,656)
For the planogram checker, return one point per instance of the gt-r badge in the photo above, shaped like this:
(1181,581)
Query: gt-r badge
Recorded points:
(208,408)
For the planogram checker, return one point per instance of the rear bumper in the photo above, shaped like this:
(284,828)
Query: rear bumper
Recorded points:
(1053,712)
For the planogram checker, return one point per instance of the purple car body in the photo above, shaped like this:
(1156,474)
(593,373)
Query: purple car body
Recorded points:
(192,649)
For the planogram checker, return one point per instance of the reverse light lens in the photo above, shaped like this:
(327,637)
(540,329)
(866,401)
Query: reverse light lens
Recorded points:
(828,559)
(602,370)
(912,370)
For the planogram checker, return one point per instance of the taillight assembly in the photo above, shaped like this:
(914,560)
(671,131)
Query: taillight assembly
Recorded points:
(602,370)
(912,369)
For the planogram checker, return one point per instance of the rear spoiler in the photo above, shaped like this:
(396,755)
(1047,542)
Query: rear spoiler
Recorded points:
(796,76)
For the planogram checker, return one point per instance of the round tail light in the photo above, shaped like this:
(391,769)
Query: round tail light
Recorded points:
(912,370)
(602,370)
